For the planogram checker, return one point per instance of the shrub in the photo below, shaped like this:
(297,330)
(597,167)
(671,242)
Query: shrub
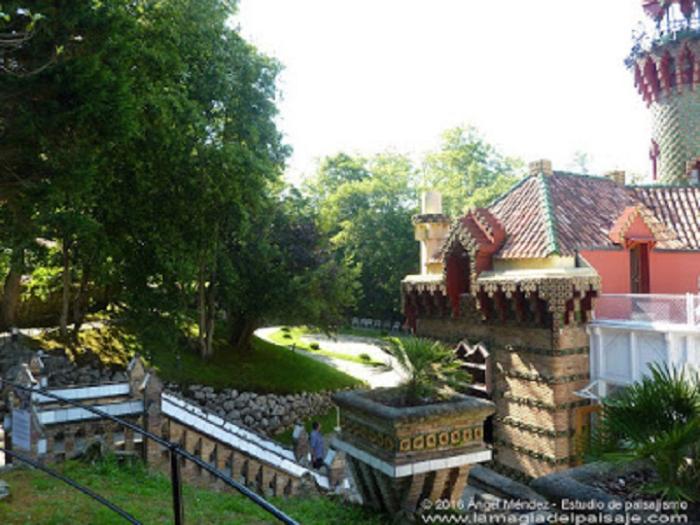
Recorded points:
(365,357)
(431,366)
(287,336)
(315,346)
(657,419)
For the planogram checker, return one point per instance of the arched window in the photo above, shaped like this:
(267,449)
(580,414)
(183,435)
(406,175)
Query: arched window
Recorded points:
(458,277)
(687,66)
(668,70)
(652,79)
(639,268)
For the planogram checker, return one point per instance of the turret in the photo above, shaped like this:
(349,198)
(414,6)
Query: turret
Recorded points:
(665,62)
(431,229)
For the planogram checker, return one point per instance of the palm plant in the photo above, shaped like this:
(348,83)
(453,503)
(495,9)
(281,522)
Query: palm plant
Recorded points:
(657,419)
(431,367)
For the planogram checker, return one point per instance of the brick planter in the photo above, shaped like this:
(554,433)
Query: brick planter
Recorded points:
(401,456)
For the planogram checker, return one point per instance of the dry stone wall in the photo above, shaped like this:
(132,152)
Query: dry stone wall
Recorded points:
(267,413)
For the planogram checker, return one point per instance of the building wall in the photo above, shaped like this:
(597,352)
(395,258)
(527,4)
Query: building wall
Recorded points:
(613,266)
(676,129)
(671,272)
(536,372)
(674,272)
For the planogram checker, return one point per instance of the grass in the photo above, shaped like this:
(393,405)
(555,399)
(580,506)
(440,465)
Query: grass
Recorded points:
(294,336)
(266,368)
(39,499)
(327,421)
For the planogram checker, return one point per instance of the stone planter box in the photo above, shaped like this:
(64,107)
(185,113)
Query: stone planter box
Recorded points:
(401,456)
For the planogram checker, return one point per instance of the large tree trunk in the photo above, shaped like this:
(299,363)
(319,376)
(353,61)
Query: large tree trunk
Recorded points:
(242,330)
(202,313)
(65,293)
(12,289)
(80,304)
(211,313)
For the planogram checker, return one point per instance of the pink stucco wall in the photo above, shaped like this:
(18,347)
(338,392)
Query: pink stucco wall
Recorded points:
(670,272)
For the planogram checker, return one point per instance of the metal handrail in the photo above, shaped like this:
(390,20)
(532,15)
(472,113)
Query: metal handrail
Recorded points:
(77,486)
(175,451)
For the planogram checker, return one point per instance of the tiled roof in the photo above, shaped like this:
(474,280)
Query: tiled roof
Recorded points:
(521,214)
(676,206)
(561,213)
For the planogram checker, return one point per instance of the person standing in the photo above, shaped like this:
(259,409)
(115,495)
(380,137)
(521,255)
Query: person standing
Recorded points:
(317,446)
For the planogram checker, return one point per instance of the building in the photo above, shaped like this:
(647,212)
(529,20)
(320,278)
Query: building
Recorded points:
(551,293)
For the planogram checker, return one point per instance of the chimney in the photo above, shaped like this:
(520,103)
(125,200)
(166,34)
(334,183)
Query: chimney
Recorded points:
(431,229)
(617,176)
(431,203)
(542,166)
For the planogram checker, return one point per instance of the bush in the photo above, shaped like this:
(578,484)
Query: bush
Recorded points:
(314,346)
(287,336)
(431,366)
(657,419)
(365,357)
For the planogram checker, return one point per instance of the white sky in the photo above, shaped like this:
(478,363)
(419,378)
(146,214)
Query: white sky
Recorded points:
(539,78)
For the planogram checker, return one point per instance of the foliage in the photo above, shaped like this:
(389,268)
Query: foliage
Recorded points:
(431,366)
(657,419)
(468,171)
(365,207)
(269,368)
(282,269)
(41,500)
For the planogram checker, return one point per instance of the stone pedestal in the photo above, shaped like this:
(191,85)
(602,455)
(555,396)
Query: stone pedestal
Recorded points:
(401,456)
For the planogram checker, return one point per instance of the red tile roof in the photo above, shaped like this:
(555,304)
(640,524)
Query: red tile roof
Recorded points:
(563,213)
(677,207)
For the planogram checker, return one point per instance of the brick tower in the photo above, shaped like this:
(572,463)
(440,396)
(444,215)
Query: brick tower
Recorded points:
(665,61)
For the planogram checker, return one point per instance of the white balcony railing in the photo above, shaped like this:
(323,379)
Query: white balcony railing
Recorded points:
(649,308)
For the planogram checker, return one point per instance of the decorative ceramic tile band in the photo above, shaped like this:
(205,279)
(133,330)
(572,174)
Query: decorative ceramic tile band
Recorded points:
(545,351)
(539,404)
(425,441)
(536,455)
(549,380)
(533,429)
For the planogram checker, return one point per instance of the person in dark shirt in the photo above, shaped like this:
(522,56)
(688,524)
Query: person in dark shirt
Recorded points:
(317,448)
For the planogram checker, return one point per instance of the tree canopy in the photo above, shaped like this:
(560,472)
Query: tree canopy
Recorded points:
(149,167)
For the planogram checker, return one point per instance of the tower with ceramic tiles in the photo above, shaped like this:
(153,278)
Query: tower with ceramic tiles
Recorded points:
(665,61)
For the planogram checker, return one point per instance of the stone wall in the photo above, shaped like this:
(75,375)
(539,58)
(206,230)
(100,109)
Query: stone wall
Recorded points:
(535,374)
(267,413)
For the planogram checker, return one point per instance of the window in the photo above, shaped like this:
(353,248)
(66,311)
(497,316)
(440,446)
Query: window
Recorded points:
(639,268)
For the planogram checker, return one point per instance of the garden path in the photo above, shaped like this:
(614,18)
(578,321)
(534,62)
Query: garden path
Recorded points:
(374,376)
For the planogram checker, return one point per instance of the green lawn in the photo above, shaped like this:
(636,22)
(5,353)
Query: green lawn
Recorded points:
(266,368)
(39,499)
(293,337)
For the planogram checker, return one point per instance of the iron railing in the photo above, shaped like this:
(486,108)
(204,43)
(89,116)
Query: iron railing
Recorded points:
(649,308)
(176,452)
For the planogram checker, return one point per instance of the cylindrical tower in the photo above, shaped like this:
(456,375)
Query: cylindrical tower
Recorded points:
(666,66)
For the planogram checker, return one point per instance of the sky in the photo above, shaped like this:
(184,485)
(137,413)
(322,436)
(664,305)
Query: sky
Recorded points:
(538,78)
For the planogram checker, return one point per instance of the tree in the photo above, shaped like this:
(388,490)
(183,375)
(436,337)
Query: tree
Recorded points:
(365,208)
(468,171)
(211,152)
(282,269)
(59,126)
